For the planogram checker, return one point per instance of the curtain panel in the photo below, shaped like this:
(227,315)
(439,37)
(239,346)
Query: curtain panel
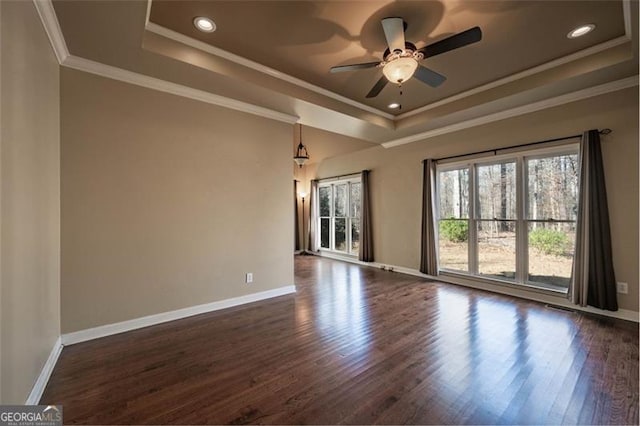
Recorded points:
(313,217)
(593,278)
(365,253)
(429,247)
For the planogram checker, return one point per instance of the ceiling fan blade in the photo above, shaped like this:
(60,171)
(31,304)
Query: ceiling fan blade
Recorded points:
(354,67)
(462,39)
(394,33)
(375,90)
(429,76)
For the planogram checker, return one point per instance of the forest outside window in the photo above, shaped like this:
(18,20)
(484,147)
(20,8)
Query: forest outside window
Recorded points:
(339,215)
(510,218)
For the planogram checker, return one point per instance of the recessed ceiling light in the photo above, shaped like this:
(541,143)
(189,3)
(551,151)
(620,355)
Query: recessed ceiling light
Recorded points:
(393,105)
(581,30)
(204,24)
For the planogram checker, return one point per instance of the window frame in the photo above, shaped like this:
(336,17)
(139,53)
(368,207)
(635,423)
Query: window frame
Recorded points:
(332,183)
(520,157)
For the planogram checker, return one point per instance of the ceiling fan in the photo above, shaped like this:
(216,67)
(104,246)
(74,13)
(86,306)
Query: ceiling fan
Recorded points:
(401,59)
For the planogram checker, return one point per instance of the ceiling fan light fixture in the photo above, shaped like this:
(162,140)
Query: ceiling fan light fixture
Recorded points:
(400,70)
(204,24)
(581,30)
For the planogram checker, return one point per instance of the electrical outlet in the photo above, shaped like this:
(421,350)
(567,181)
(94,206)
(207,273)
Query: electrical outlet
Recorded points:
(249,278)
(622,288)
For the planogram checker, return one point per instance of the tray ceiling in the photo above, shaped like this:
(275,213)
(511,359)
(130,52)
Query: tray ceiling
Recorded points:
(304,39)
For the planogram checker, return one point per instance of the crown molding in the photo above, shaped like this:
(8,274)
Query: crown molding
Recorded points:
(205,47)
(142,80)
(52,28)
(626,13)
(518,76)
(521,110)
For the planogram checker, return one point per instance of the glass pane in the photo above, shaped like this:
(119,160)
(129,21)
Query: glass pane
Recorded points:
(497,191)
(553,188)
(453,193)
(355,235)
(341,235)
(324,193)
(497,248)
(453,245)
(551,248)
(355,200)
(340,201)
(324,233)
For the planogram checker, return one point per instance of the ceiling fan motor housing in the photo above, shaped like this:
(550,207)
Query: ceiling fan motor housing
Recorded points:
(410,50)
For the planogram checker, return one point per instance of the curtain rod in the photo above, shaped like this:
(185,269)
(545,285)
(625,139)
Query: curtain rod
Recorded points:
(496,150)
(341,176)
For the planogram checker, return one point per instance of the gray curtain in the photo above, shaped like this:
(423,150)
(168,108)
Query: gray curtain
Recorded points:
(366,234)
(296,233)
(593,279)
(429,247)
(313,219)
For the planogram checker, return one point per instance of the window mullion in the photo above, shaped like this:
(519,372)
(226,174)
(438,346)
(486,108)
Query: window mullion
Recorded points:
(332,221)
(473,228)
(521,223)
(347,221)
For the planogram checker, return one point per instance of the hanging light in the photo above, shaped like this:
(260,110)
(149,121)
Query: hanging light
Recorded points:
(301,154)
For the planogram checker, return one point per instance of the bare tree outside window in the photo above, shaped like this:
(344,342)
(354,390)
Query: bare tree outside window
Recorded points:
(533,244)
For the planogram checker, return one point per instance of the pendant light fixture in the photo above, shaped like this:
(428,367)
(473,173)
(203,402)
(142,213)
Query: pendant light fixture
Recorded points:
(301,153)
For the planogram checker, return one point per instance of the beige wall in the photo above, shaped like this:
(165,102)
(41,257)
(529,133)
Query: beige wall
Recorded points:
(166,202)
(397,173)
(29,199)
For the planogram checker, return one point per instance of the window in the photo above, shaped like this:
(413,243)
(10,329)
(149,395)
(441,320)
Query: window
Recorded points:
(510,217)
(453,191)
(339,215)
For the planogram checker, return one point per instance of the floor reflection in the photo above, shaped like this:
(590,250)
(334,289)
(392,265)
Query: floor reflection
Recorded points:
(338,307)
(493,349)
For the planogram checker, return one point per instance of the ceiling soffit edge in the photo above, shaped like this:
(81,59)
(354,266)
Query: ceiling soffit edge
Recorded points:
(197,44)
(522,74)
(143,80)
(521,110)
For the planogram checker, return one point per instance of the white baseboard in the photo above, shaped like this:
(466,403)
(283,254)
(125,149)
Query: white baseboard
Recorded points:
(624,314)
(121,327)
(45,373)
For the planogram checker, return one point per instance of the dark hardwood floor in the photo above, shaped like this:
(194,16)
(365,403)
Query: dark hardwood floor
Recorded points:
(358,345)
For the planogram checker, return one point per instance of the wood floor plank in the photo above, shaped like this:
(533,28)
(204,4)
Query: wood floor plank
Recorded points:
(357,345)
